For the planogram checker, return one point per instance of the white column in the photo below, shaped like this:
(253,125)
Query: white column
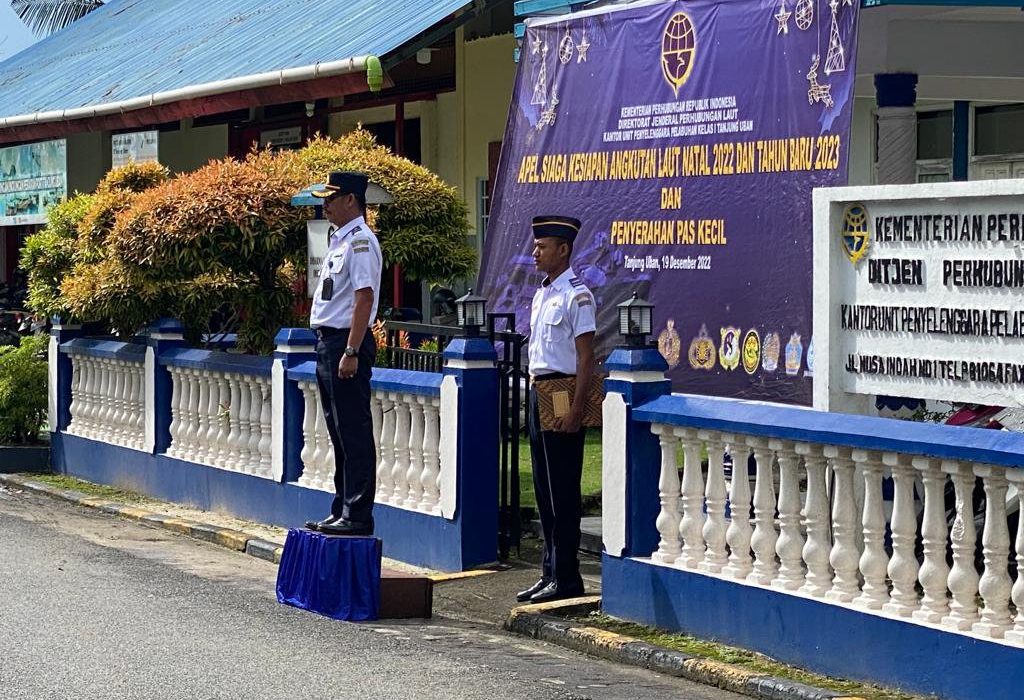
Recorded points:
(995,584)
(790,544)
(117,400)
(308,435)
(139,377)
(266,443)
(844,557)
(414,476)
(318,460)
(715,556)
(233,460)
(963,577)
(103,432)
(667,520)
(934,571)
(739,531)
(1017,592)
(88,391)
(692,523)
(816,521)
(765,536)
(431,456)
(401,465)
(223,421)
(75,409)
(255,425)
(385,486)
(903,563)
(874,562)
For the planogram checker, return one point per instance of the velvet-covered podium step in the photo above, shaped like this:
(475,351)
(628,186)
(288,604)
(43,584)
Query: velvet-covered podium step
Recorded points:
(341,578)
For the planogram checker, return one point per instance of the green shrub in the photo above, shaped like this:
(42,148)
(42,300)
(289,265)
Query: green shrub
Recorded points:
(23,398)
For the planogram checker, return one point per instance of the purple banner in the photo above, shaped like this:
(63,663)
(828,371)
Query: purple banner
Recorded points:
(687,137)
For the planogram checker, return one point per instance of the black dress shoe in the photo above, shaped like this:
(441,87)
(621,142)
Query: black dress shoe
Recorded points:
(554,591)
(315,525)
(523,596)
(348,528)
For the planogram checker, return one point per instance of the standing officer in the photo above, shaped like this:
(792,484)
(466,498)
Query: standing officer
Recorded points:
(562,327)
(344,305)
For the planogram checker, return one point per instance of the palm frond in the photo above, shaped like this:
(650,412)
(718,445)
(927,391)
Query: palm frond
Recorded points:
(44,17)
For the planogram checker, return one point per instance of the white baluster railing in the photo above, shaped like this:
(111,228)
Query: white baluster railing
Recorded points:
(406,429)
(221,419)
(108,400)
(835,542)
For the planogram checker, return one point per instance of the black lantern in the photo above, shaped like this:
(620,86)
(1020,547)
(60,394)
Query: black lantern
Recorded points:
(471,312)
(635,321)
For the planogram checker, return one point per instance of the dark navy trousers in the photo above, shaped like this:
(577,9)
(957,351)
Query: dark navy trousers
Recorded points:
(346,404)
(557,470)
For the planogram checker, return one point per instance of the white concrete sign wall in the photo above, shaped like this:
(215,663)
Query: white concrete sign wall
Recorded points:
(919,292)
(317,232)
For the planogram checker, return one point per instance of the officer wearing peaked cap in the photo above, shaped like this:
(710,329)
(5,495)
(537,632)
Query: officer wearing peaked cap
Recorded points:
(562,328)
(344,305)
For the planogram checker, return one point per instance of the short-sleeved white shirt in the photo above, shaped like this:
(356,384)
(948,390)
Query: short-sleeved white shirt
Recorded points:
(353,262)
(563,310)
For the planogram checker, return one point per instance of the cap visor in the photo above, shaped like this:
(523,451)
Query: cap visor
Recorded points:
(375,194)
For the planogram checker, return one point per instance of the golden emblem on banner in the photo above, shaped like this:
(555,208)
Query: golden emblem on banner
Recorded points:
(770,349)
(751,351)
(729,350)
(702,351)
(856,232)
(669,344)
(678,49)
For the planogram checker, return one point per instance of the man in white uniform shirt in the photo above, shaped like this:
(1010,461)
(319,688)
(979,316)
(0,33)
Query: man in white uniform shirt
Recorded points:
(344,306)
(562,327)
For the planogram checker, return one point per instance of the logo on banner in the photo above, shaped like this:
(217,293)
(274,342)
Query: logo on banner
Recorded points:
(702,350)
(669,344)
(794,355)
(770,350)
(678,49)
(751,351)
(809,372)
(729,350)
(856,234)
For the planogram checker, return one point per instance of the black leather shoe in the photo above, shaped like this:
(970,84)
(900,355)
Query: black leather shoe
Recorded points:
(315,525)
(523,596)
(348,528)
(554,591)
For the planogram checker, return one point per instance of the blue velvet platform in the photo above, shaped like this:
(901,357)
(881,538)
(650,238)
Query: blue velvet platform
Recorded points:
(338,577)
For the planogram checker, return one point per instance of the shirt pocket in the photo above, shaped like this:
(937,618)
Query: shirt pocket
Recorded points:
(553,322)
(334,264)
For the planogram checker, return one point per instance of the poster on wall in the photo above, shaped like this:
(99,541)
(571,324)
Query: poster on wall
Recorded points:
(687,137)
(33,177)
(136,147)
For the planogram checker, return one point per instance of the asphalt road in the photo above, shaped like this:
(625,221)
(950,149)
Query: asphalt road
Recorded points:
(92,606)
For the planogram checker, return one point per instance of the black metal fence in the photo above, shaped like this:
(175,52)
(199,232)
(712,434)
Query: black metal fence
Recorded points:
(417,346)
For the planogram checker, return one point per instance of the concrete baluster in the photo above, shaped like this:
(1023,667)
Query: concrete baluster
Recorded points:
(667,522)
(995,583)
(934,571)
(765,535)
(715,556)
(691,526)
(874,561)
(844,557)
(789,547)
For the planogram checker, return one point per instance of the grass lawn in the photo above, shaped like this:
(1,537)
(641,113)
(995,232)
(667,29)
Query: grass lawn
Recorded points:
(591,470)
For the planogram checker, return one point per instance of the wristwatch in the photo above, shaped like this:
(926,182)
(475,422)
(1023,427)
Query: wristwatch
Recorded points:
(351,351)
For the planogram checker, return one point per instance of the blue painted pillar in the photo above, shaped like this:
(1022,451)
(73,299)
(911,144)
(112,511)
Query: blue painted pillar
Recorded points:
(60,375)
(293,347)
(631,453)
(896,94)
(471,362)
(961,139)
(165,334)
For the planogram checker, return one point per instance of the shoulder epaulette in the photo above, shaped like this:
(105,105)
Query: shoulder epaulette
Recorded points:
(576,281)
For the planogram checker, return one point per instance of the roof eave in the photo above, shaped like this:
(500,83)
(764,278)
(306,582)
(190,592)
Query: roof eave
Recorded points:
(328,69)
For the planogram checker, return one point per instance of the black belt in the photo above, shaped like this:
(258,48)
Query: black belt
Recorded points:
(551,375)
(327,332)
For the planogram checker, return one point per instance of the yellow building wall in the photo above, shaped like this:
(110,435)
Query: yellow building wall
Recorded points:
(88,160)
(190,148)
(486,77)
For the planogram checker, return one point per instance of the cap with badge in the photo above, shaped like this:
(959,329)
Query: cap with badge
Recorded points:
(350,182)
(564,227)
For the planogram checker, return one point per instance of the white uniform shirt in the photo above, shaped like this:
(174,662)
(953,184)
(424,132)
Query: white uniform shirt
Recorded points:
(562,310)
(353,262)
